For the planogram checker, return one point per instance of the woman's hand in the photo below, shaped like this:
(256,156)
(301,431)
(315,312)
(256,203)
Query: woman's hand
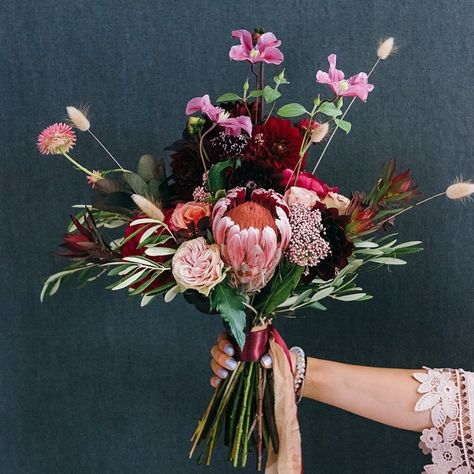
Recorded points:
(222,361)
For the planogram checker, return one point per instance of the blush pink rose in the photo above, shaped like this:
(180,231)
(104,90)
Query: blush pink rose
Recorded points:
(297,195)
(337,201)
(198,266)
(188,213)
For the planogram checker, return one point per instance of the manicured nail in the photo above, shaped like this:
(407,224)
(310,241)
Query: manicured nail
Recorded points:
(231,364)
(266,361)
(229,350)
(216,381)
(222,373)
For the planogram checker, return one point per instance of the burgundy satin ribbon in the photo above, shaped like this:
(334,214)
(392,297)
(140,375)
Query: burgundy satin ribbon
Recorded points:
(257,345)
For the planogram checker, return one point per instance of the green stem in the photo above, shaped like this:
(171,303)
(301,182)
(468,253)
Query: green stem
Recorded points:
(76,164)
(202,150)
(246,426)
(240,425)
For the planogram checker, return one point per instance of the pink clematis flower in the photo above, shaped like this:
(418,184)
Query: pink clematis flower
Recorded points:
(264,48)
(232,125)
(355,86)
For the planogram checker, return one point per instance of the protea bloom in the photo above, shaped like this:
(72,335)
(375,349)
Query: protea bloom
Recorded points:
(253,230)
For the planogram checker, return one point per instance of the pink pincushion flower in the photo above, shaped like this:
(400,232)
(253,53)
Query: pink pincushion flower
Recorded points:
(56,139)
(232,125)
(308,181)
(256,49)
(253,231)
(355,86)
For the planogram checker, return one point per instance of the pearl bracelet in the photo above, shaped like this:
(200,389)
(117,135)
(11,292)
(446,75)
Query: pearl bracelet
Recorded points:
(300,370)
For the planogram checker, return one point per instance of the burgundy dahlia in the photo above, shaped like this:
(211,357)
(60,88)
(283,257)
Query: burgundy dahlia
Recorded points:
(275,144)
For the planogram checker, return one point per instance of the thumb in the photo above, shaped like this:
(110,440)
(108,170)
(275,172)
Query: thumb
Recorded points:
(266,361)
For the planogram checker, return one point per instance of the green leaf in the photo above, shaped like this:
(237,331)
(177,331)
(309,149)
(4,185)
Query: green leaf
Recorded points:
(353,297)
(317,305)
(154,188)
(389,261)
(147,168)
(292,110)
(215,178)
(281,287)
(344,124)
(137,183)
(255,93)
(229,97)
(321,294)
(230,305)
(270,94)
(328,108)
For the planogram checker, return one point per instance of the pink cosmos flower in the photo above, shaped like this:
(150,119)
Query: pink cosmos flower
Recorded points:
(256,49)
(56,139)
(232,125)
(253,231)
(355,86)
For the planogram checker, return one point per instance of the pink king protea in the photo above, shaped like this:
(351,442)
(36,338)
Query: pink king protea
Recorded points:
(253,230)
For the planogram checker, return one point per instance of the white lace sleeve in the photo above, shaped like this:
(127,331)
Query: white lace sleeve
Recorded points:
(449,395)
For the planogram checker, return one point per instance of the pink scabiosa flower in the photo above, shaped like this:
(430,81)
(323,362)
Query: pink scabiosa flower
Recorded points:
(355,86)
(253,231)
(232,125)
(56,139)
(256,48)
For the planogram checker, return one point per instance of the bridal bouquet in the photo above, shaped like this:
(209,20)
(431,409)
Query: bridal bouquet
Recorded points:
(243,229)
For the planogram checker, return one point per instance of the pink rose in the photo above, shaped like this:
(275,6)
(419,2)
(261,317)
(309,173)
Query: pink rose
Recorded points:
(198,266)
(338,201)
(297,195)
(188,213)
(308,181)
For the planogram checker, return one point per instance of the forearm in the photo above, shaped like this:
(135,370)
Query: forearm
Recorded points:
(384,395)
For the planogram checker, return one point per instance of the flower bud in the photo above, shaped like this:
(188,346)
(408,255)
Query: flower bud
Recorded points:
(246,85)
(195,125)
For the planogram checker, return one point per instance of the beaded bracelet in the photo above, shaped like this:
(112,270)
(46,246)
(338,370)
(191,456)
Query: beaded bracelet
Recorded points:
(300,370)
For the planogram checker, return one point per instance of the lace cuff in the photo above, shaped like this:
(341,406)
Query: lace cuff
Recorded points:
(447,393)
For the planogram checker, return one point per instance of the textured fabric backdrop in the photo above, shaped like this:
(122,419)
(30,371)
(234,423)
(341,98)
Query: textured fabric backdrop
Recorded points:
(92,384)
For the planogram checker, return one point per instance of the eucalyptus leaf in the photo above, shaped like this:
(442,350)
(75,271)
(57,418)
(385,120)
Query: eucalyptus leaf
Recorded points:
(148,168)
(137,183)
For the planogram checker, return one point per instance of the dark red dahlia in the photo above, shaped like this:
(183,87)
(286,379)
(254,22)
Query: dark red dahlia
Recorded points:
(187,169)
(275,144)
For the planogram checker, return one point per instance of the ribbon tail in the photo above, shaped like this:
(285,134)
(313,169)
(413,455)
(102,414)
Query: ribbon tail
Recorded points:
(288,460)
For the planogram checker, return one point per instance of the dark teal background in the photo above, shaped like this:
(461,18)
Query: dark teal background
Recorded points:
(92,384)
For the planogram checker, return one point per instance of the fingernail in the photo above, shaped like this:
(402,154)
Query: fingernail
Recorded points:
(231,364)
(217,381)
(222,373)
(229,350)
(266,361)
